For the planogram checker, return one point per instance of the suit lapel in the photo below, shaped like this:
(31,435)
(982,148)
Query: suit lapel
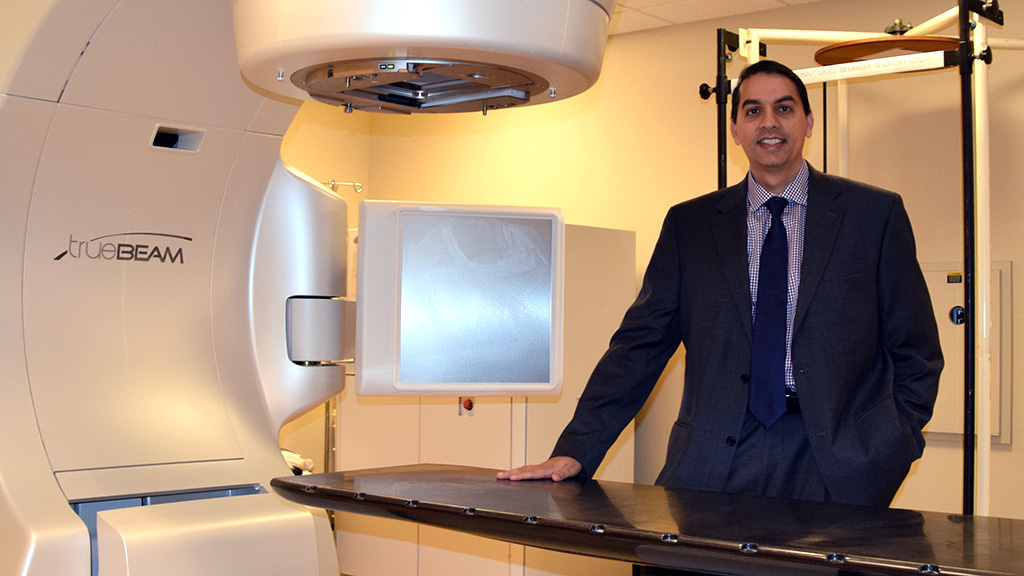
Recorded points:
(729,229)
(824,214)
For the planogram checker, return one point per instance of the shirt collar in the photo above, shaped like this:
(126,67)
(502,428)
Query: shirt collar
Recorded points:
(795,192)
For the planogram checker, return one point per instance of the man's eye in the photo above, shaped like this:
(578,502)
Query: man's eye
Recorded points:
(752,111)
(784,108)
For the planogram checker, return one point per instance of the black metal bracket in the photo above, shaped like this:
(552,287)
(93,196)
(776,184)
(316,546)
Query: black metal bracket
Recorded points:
(762,49)
(951,58)
(988,9)
(730,40)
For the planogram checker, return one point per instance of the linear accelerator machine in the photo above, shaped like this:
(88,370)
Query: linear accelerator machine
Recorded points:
(152,239)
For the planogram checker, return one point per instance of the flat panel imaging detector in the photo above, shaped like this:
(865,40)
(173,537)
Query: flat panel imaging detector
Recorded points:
(458,300)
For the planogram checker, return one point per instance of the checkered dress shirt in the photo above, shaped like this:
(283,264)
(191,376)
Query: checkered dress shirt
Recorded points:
(795,219)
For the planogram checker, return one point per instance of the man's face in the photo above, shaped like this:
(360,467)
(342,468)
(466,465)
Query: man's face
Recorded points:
(771,126)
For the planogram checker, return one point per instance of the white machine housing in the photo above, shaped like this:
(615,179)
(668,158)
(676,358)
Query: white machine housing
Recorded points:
(410,57)
(159,261)
(151,238)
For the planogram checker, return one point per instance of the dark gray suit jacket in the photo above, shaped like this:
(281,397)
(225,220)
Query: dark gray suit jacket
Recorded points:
(866,355)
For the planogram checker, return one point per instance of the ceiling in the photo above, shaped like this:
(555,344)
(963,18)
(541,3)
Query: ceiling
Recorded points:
(634,15)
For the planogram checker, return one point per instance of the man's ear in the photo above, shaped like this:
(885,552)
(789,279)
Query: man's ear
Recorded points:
(810,123)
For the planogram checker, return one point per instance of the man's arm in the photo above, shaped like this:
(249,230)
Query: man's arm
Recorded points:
(623,378)
(910,333)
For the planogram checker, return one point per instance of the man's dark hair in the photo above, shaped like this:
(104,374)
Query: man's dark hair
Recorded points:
(769,67)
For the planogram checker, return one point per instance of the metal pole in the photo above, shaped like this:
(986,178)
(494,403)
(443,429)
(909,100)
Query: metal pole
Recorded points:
(966,53)
(722,99)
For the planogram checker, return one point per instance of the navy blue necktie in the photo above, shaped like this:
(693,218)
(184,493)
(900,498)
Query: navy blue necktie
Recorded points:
(768,354)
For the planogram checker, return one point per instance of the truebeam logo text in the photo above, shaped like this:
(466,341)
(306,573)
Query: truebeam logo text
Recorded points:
(127,246)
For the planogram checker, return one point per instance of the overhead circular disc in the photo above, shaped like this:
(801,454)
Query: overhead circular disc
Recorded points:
(881,47)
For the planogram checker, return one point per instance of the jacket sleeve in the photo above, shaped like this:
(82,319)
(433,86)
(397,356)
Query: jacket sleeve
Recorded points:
(639,350)
(909,330)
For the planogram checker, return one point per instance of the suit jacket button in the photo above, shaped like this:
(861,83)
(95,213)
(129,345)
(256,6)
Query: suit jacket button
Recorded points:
(744,378)
(730,441)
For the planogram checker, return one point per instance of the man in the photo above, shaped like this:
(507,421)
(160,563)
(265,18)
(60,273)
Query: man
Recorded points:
(853,361)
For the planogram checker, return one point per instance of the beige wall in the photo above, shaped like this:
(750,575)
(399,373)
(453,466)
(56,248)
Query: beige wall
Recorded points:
(328,145)
(641,140)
